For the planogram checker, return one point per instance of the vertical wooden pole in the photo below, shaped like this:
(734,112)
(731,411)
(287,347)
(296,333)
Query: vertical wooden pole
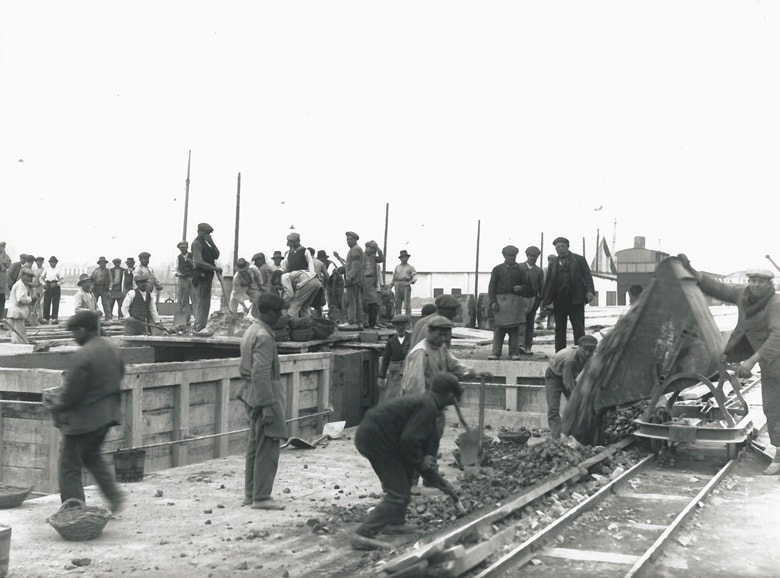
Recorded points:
(384,248)
(476,268)
(238,217)
(222,418)
(181,421)
(598,250)
(186,198)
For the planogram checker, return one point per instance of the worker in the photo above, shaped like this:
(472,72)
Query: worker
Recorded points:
(400,438)
(19,302)
(446,306)
(391,371)
(144,269)
(101,283)
(264,397)
(508,293)
(372,272)
(185,271)
(52,280)
(754,340)
(353,283)
(535,276)
(138,308)
(321,268)
(86,408)
(569,287)
(5,264)
(239,293)
(560,377)
(299,290)
(404,276)
(204,256)
(116,292)
(84,299)
(277,258)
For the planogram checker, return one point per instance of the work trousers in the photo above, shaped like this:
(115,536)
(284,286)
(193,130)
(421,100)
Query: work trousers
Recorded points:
(300,305)
(262,459)
(530,319)
(403,298)
(564,311)
(18,330)
(101,296)
(186,297)
(770,394)
(395,476)
(354,303)
(239,296)
(83,451)
(203,301)
(336,304)
(2,306)
(554,387)
(514,339)
(51,303)
(134,327)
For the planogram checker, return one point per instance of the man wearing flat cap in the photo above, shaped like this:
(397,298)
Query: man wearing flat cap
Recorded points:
(509,291)
(116,290)
(101,281)
(298,258)
(353,282)
(446,306)
(754,340)
(52,281)
(19,301)
(560,378)
(138,308)
(261,272)
(185,271)
(204,257)
(391,371)
(404,276)
(568,288)
(535,277)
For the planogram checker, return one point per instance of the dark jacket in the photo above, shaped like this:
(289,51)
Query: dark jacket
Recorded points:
(504,278)
(90,396)
(580,277)
(395,350)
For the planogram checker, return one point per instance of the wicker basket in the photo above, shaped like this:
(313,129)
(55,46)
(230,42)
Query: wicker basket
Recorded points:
(323,327)
(302,334)
(13,496)
(75,521)
(300,323)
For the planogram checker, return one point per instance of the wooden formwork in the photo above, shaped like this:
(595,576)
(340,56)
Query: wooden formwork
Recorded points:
(163,406)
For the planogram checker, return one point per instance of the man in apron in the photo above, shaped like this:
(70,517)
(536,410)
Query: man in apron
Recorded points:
(508,294)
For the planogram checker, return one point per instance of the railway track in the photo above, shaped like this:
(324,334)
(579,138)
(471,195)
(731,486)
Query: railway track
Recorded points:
(616,530)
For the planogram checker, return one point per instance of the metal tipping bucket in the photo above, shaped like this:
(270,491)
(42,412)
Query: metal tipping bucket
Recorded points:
(129,465)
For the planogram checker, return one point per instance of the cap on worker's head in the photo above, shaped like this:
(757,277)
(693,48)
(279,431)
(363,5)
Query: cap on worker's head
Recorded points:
(269,302)
(144,255)
(446,302)
(2,244)
(83,320)
(257,256)
(399,320)
(205,227)
(444,383)
(428,309)
(242,264)
(510,250)
(102,259)
(403,254)
(760,272)
(130,260)
(440,322)
(560,240)
(322,255)
(352,234)
(83,277)
(53,259)
(182,245)
(26,272)
(588,342)
(29,258)
(140,277)
(533,251)
(293,237)
(116,261)
(277,255)
(39,258)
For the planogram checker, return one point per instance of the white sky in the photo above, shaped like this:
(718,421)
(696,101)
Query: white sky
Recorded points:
(525,116)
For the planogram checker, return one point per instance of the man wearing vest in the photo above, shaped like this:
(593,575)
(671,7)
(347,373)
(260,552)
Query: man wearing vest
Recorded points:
(139,309)
(185,271)
(204,257)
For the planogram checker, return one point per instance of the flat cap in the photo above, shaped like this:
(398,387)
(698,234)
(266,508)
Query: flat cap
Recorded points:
(138,277)
(510,250)
(39,258)
(205,227)
(533,251)
(117,261)
(293,237)
(588,342)
(440,321)
(399,319)
(144,254)
(257,256)
(182,244)
(760,272)
(352,234)
(322,255)
(560,240)
(242,264)
(446,302)
(2,243)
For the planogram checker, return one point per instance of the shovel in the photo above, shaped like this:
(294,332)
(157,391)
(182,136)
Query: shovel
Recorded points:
(470,441)
(330,431)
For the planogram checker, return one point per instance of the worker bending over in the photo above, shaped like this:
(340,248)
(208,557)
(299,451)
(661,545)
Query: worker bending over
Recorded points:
(561,378)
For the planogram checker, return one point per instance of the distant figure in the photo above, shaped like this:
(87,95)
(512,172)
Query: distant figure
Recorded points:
(404,276)
(561,378)
(185,272)
(116,290)
(353,282)
(569,287)
(545,311)
(139,308)
(535,276)
(204,256)
(36,310)
(52,281)
(87,407)
(391,371)
(446,306)
(277,260)
(321,269)
(372,257)
(5,264)
(336,309)
(242,282)
(84,299)
(19,302)
(261,271)
(264,398)
(508,293)
(144,269)
(101,281)
(128,282)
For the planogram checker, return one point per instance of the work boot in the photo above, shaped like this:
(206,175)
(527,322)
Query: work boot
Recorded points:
(359,542)
(267,505)
(247,501)
(495,357)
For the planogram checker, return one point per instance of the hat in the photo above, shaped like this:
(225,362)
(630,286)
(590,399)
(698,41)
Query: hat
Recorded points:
(510,250)
(242,264)
(53,258)
(294,237)
(138,277)
(83,277)
(144,254)
(446,302)
(26,272)
(444,382)
(205,227)
(39,258)
(322,255)
(29,258)
(130,260)
(257,256)
(83,320)
(116,261)
(2,243)
(759,272)
(588,342)
(102,259)
(440,321)
(560,240)
(403,253)
(533,251)
(399,320)
(352,234)
(182,245)
(277,255)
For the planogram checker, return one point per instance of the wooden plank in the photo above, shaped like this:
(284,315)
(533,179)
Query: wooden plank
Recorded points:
(590,555)
(27,430)
(181,422)
(55,442)
(134,426)
(222,417)
(293,395)
(23,477)
(30,455)
(323,401)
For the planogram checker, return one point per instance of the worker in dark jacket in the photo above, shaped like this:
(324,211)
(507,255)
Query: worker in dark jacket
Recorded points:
(204,258)
(398,438)
(87,406)
(535,276)
(568,288)
(561,378)
(754,340)
(391,371)
(508,293)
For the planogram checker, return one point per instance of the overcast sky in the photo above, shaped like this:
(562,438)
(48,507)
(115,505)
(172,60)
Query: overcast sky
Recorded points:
(657,119)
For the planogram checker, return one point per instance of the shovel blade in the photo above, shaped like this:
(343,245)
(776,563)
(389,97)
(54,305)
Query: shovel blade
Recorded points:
(300,444)
(468,443)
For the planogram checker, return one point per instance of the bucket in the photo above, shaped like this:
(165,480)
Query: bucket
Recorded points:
(129,465)
(5,549)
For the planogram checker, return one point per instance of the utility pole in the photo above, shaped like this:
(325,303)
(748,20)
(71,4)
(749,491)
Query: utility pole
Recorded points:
(238,215)
(186,197)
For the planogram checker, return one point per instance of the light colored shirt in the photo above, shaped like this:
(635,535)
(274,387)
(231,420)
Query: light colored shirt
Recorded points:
(404,273)
(309,262)
(293,281)
(52,274)
(567,365)
(153,315)
(149,271)
(425,361)
(83,301)
(19,301)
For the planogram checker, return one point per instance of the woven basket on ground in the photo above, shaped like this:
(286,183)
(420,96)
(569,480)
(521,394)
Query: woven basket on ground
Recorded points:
(302,334)
(323,327)
(76,521)
(300,322)
(13,496)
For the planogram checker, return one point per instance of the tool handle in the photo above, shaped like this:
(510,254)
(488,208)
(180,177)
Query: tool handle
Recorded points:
(460,416)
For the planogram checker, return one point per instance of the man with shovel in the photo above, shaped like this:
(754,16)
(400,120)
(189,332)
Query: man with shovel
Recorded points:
(400,438)
(139,308)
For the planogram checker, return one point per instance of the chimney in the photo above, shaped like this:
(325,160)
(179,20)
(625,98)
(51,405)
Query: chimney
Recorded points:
(639,242)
